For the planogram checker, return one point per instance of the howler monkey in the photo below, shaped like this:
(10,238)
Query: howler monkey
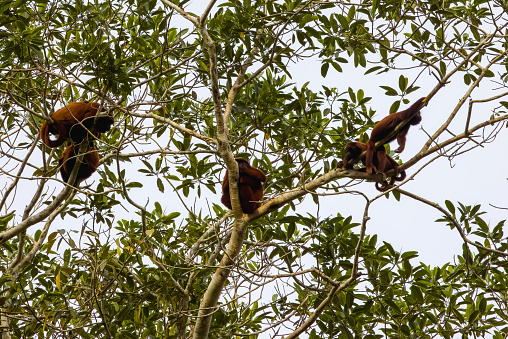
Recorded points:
(250,187)
(67,117)
(386,126)
(381,161)
(88,165)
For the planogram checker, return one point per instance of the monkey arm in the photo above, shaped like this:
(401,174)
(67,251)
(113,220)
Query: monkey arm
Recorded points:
(412,110)
(254,173)
(226,199)
(369,157)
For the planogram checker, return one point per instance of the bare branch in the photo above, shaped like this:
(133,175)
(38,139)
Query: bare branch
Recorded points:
(173,124)
(183,13)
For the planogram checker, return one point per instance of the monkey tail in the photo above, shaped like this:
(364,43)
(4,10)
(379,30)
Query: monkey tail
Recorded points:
(386,186)
(401,177)
(62,134)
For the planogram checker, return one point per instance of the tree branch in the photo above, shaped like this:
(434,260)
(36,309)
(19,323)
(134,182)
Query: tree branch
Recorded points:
(455,223)
(336,289)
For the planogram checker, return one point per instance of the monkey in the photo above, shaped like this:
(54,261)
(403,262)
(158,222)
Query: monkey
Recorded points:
(66,117)
(352,151)
(250,187)
(382,162)
(88,165)
(78,132)
(386,126)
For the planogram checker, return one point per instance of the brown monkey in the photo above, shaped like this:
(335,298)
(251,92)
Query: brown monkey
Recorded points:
(250,187)
(67,117)
(382,162)
(88,165)
(387,125)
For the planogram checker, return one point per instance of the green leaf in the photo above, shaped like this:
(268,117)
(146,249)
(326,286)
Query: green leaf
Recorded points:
(375,4)
(291,230)
(403,81)
(450,207)
(395,107)
(324,69)
(389,91)
(160,185)
(442,68)
(417,293)
(352,94)
(134,185)
(373,69)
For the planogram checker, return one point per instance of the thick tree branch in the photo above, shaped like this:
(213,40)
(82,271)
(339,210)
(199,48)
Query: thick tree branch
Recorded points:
(180,10)
(18,175)
(29,221)
(42,238)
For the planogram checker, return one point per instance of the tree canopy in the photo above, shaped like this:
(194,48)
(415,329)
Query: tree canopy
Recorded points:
(144,248)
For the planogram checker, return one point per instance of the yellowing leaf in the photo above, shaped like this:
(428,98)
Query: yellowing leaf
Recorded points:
(57,281)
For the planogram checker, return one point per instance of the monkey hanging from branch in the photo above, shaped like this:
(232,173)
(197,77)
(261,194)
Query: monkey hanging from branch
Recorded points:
(88,165)
(387,126)
(74,120)
(381,161)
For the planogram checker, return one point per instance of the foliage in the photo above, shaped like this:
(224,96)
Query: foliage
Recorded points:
(143,247)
